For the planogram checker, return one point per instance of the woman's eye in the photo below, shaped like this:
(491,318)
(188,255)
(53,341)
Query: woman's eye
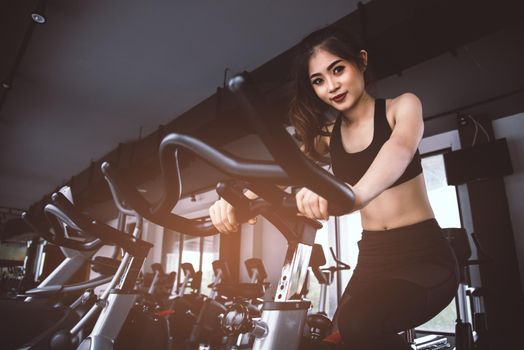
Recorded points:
(316,81)
(338,69)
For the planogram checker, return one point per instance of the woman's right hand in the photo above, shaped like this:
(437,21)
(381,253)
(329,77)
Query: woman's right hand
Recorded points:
(311,205)
(224,218)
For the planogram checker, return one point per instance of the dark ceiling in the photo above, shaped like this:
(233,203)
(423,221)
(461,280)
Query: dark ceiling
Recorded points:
(98,78)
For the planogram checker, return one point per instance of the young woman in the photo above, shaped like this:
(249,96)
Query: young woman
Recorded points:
(406,272)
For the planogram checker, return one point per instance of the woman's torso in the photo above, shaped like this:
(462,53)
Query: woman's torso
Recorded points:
(402,204)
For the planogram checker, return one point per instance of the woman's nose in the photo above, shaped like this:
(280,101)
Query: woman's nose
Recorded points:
(333,85)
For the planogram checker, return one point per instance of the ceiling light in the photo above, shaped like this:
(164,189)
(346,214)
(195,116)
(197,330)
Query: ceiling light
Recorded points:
(38,18)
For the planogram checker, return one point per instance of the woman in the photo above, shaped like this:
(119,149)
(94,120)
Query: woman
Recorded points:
(406,272)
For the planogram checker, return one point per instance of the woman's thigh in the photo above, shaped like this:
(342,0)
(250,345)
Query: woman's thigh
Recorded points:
(385,307)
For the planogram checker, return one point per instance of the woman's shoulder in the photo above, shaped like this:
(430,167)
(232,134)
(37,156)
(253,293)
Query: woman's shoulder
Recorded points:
(405,106)
(406,101)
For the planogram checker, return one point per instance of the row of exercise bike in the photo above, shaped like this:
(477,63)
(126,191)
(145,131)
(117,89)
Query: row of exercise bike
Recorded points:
(153,312)
(120,317)
(58,315)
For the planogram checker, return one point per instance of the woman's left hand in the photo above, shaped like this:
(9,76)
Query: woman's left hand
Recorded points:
(311,205)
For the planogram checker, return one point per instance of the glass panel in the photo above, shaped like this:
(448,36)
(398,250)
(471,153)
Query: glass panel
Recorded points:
(211,253)
(443,199)
(350,233)
(191,251)
(171,250)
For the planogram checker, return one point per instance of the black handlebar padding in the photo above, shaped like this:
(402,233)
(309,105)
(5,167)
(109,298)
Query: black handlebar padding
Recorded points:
(106,233)
(128,193)
(43,230)
(188,269)
(317,260)
(157,267)
(240,169)
(223,266)
(70,210)
(256,264)
(39,227)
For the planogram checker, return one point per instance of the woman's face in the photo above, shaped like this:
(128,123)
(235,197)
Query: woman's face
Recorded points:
(335,80)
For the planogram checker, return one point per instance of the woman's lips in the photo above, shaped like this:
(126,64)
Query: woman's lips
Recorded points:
(339,98)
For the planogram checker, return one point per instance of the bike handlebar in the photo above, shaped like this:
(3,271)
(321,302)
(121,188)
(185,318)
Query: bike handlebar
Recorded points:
(71,216)
(161,213)
(55,218)
(292,167)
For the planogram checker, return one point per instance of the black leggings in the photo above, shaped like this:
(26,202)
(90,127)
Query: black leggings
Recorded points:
(404,277)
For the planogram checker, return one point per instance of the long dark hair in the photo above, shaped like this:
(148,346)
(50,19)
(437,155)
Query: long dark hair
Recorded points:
(308,114)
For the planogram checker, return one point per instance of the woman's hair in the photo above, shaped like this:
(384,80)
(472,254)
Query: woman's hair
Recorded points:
(308,114)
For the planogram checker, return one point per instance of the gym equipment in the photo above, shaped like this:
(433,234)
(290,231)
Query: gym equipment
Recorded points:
(468,336)
(206,332)
(50,322)
(156,287)
(121,320)
(245,307)
(319,324)
(282,320)
(185,306)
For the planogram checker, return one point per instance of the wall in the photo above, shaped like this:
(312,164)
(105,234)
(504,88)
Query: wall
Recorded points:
(512,128)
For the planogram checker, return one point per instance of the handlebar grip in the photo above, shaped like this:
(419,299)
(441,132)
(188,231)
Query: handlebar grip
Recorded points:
(106,233)
(60,240)
(72,216)
(125,192)
(236,198)
(245,208)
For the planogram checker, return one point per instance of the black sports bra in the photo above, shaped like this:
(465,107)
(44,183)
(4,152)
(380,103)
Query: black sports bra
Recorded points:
(350,167)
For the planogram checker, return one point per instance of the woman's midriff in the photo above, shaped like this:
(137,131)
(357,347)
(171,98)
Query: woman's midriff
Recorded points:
(402,205)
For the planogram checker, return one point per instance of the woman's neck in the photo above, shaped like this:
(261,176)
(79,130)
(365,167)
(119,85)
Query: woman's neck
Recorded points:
(362,108)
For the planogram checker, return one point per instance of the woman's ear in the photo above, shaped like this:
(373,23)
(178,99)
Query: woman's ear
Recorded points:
(364,55)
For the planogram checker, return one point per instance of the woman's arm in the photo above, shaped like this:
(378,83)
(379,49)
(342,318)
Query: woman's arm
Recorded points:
(396,153)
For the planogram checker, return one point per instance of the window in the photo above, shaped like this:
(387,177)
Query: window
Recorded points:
(210,252)
(191,251)
(350,231)
(444,201)
(172,247)
(199,251)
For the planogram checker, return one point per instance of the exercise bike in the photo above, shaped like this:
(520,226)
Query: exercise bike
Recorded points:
(283,319)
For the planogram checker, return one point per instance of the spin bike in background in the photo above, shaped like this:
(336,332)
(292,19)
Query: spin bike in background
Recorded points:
(55,304)
(472,335)
(112,318)
(185,305)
